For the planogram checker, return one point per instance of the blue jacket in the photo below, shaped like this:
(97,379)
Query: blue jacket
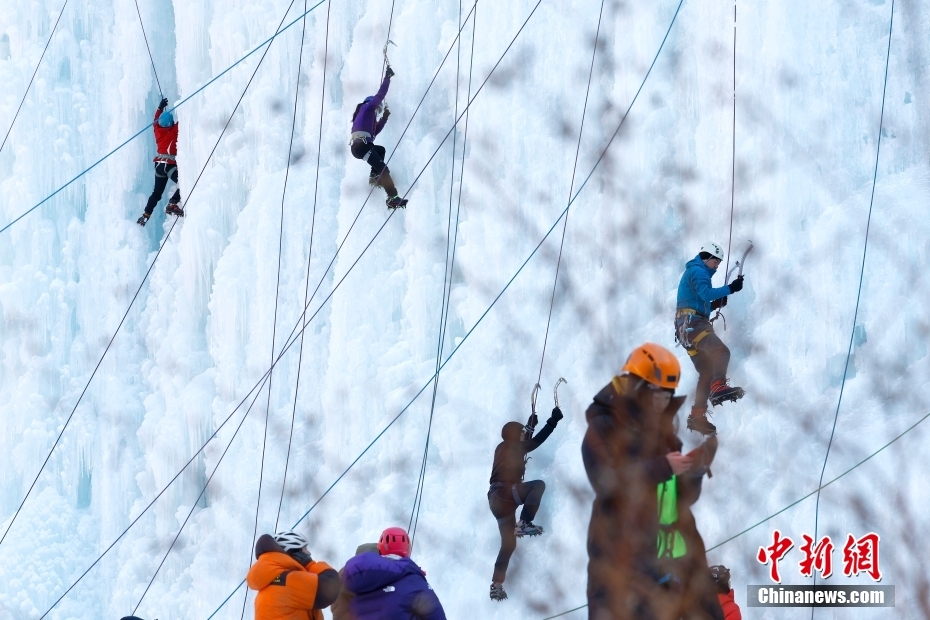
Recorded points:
(389,589)
(695,290)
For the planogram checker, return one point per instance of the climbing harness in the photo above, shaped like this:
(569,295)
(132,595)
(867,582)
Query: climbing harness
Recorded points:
(684,330)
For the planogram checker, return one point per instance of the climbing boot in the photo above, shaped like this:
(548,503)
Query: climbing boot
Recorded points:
(497,592)
(697,421)
(527,528)
(174,208)
(721,391)
(396,202)
(142,221)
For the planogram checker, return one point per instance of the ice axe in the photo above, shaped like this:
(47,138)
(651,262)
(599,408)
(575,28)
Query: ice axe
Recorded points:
(741,262)
(387,63)
(530,427)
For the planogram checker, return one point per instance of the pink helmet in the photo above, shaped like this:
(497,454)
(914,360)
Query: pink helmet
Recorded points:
(394,541)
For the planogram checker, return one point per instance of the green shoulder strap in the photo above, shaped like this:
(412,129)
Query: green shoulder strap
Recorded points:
(671,544)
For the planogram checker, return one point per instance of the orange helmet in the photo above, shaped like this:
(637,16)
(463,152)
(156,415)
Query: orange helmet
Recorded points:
(655,364)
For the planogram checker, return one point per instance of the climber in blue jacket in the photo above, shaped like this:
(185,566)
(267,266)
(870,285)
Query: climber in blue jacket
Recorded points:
(693,330)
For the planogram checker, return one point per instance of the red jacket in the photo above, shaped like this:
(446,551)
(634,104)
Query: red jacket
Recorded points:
(166,140)
(730,608)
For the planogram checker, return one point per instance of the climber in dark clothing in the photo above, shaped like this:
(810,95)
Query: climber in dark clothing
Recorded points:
(508,491)
(365,126)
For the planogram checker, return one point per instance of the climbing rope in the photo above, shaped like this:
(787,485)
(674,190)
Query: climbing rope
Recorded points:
(816,491)
(387,41)
(451,236)
(274,326)
(136,295)
(316,187)
(31,80)
(151,58)
(193,505)
(148,126)
(733,157)
(865,247)
(571,189)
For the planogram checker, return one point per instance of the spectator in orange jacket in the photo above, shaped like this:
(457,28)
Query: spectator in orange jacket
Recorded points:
(721,576)
(290,584)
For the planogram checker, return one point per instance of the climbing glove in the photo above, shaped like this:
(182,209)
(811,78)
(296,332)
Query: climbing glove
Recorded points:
(737,284)
(163,104)
(718,303)
(389,72)
(556,415)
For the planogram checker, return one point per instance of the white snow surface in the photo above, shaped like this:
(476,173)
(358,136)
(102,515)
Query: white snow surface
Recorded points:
(199,335)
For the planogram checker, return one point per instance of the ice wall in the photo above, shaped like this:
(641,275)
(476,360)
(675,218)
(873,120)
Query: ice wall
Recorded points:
(199,336)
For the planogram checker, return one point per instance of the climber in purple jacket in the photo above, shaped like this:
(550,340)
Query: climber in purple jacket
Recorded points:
(365,126)
(389,585)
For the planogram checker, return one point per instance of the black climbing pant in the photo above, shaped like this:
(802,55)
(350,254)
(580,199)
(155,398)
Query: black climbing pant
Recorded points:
(371,153)
(503,500)
(163,171)
(709,356)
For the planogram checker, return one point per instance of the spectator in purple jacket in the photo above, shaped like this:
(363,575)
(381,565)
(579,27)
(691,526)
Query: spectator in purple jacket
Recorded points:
(365,126)
(389,585)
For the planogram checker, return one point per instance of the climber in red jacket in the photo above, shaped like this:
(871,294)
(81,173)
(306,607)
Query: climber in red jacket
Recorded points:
(166,167)
(721,576)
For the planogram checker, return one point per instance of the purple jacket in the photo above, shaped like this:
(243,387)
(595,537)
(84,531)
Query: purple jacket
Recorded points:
(365,119)
(389,589)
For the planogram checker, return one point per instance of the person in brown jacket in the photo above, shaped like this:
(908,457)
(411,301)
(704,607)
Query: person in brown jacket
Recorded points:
(340,607)
(646,559)
(290,584)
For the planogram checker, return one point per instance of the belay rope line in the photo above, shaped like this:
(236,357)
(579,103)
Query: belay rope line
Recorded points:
(274,328)
(555,280)
(865,248)
(151,58)
(733,152)
(451,243)
(316,187)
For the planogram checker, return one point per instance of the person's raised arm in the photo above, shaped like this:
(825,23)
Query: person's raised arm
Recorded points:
(543,435)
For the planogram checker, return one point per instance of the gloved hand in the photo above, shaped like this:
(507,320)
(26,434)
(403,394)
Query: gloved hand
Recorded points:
(736,285)
(556,415)
(386,113)
(533,422)
(389,72)
(163,104)
(718,303)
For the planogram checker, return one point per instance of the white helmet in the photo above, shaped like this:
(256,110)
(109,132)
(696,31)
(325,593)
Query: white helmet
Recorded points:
(290,540)
(713,249)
